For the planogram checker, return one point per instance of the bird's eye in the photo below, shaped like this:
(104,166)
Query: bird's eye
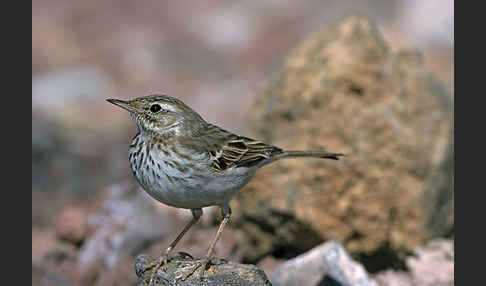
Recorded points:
(155,108)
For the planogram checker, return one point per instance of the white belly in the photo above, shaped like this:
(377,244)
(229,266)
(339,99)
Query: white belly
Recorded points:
(186,187)
(189,193)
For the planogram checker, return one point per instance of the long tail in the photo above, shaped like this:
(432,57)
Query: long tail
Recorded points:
(296,154)
(316,154)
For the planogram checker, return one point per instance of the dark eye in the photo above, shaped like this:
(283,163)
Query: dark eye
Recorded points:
(155,108)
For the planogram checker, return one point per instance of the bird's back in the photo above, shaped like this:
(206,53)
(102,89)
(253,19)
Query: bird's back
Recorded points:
(227,150)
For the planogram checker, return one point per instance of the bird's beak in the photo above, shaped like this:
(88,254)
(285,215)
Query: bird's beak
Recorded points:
(123,104)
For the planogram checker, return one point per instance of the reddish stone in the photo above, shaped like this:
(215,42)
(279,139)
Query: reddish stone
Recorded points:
(71,224)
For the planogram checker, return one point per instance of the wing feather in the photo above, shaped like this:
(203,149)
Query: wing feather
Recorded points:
(238,151)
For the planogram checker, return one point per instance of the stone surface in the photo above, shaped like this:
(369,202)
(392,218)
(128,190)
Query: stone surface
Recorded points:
(40,277)
(56,266)
(394,278)
(339,266)
(270,263)
(183,270)
(345,91)
(71,224)
(432,264)
(125,223)
(311,268)
(42,241)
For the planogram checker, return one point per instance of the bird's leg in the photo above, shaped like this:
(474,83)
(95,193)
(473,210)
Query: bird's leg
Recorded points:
(226,213)
(196,214)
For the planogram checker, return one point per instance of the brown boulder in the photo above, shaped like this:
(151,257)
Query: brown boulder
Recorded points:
(343,89)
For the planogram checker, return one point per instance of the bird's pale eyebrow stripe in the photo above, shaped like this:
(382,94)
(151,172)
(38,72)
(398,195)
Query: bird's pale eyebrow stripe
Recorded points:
(168,107)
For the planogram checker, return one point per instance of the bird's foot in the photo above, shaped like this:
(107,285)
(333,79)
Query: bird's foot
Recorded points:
(189,268)
(164,259)
(186,266)
(207,262)
(186,269)
(157,264)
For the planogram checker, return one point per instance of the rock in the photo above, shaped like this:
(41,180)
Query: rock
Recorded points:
(394,278)
(125,223)
(218,273)
(56,266)
(432,264)
(343,89)
(329,259)
(42,241)
(41,277)
(270,263)
(58,254)
(342,268)
(71,224)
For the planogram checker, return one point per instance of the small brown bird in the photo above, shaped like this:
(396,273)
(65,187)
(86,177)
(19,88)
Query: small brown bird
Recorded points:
(185,162)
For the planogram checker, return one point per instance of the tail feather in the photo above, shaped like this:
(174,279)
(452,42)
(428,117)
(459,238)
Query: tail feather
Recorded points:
(316,154)
(296,154)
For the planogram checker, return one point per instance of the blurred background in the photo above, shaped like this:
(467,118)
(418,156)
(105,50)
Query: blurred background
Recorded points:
(215,55)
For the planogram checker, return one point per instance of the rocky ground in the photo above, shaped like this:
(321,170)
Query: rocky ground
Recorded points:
(383,215)
(101,242)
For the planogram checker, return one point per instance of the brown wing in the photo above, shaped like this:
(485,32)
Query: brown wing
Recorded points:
(233,150)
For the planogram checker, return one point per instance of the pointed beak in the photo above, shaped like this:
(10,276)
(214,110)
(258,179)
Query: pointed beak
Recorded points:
(121,103)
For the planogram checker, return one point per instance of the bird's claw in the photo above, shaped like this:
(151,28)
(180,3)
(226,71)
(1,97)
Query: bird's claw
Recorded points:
(164,259)
(191,267)
(208,261)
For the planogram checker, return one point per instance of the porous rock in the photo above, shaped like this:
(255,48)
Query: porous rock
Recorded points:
(344,90)
(184,270)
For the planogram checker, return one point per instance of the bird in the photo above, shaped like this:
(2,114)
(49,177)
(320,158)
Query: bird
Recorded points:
(183,161)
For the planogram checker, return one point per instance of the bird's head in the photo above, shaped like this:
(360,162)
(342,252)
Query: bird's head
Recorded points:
(158,114)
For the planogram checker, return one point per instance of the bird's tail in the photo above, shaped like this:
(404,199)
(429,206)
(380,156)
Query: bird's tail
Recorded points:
(316,154)
(296,154)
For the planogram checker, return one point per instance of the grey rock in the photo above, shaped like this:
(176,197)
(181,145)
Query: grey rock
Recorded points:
(125,223)
(342,268)
(184,270)
(42,277)
(433,264)
(394,278)
(311,268)
(430,265)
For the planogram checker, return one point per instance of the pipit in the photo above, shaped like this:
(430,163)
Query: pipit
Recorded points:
(183,161)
